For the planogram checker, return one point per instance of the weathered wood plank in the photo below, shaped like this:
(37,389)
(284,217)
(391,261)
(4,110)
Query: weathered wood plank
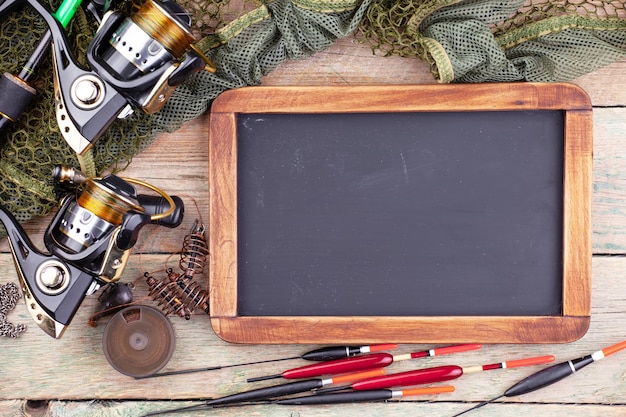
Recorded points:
(404,408)
(401,408)
(12,407)
(606,86)
(351,62)
(609,201)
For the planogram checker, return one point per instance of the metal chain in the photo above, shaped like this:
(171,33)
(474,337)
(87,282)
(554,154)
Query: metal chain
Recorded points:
(9,295)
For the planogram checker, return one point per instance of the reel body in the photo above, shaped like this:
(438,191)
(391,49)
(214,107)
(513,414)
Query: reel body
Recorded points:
(89,241)
(133,62)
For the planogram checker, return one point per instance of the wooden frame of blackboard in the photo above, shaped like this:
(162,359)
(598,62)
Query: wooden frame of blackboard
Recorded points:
(570,325)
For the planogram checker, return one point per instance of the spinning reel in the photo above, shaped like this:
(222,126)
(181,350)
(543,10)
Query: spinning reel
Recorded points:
(89,241)
(133,61)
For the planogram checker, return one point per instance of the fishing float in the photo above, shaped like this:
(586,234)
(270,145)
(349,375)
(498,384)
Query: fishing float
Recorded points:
(363,362)
(274,391)
(434,374)
(361,396)
(552,374)
(317,355)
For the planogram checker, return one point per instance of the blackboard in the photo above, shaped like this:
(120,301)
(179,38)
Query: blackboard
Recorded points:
(411,215)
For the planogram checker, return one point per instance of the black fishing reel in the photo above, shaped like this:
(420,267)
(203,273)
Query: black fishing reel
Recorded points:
(134,61)
(89,242)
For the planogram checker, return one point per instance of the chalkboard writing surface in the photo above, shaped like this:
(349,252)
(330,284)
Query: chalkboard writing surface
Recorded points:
(404,214)
(415,224)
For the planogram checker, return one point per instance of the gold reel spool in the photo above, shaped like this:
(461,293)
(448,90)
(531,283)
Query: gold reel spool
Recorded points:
(110,206)
(160,25)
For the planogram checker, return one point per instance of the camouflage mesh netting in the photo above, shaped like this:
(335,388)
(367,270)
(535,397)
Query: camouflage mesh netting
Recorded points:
(499,41)
(464,41)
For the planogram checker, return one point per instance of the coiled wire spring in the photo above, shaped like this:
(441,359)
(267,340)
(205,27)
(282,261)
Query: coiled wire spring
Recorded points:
(178,293)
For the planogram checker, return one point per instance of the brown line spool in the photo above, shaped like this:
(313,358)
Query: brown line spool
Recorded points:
(138,341)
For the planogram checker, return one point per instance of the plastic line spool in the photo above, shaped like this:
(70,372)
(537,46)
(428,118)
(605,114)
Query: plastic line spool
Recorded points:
(138,341)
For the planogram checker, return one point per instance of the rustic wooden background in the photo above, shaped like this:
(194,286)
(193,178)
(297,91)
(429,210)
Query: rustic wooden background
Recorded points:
(71,377)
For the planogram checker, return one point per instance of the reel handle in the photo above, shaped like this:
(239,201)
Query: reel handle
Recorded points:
(157,205)
(16,97)
(134,222)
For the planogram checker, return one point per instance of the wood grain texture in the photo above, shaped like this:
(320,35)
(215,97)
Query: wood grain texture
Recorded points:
(578,172)
(73,373)
(423,407)
(609,194)
(403,98)
(223,186)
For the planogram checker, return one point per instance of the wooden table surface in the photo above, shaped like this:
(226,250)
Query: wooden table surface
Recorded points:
(71,377)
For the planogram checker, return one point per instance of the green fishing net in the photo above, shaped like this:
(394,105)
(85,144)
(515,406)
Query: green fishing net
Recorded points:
(464,41)
(500,41)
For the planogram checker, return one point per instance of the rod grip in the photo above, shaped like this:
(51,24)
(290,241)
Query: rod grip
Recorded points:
(16,95)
